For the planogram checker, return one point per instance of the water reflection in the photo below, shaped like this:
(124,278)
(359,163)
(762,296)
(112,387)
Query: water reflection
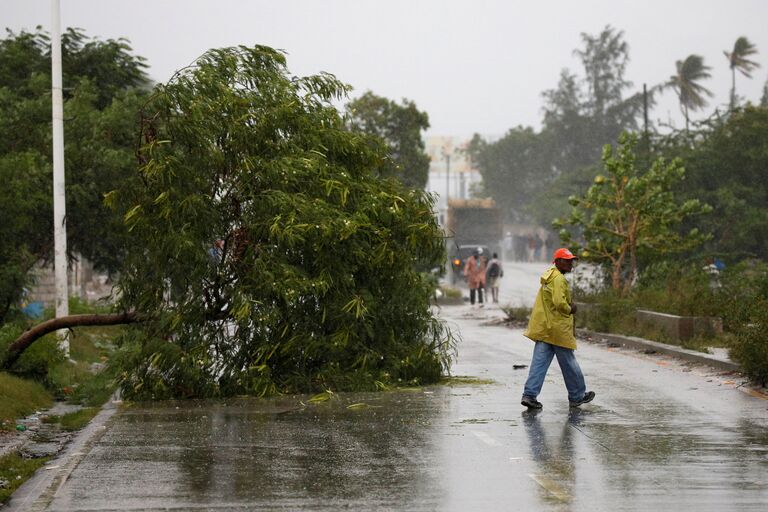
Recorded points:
(273,451)
(552,448)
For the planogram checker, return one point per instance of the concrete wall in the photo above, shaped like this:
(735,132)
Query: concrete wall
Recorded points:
(83,282)
(679,327)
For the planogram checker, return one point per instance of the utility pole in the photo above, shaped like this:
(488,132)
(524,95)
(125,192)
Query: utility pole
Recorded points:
(447,157)
(59,198)
(646,137)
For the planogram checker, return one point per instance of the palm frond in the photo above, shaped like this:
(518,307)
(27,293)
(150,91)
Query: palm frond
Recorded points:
(737,59)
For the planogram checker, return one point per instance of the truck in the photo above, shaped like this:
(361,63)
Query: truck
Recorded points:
(471,224)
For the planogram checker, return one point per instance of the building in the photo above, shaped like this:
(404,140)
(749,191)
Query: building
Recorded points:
(451,174)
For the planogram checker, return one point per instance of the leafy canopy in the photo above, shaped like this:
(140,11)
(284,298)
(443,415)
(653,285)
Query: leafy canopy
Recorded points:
(726,168)
(314,284)
(399,127)
(103,88)
(581,114)
(628,211)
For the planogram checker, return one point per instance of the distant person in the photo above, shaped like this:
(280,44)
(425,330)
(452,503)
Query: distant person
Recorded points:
(538,243)
(553,240)
(508,244)
(551,328)
(531,244)
(216,251)
(474,272)
(494,274)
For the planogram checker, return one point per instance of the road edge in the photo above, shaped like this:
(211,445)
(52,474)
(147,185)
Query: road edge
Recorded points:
(39,491)
(662,348)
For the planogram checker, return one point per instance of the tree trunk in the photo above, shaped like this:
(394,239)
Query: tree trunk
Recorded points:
(30,336)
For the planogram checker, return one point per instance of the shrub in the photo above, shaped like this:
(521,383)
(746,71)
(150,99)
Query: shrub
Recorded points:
(18,398)
(516,314)
(750,346)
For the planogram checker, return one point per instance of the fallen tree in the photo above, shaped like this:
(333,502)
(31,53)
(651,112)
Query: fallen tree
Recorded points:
(29,336)
(264,248)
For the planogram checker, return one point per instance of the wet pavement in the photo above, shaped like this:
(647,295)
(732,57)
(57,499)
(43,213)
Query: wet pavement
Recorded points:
(660,435)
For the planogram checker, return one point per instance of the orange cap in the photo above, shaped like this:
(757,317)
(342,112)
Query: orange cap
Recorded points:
(563,254)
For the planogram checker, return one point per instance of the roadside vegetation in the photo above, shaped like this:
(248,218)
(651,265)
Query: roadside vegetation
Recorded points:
(263,241)
(674,218)
(20,397)
(308,241)
(42,375)
(14,471)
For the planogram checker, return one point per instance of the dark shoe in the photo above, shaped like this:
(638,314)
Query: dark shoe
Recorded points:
(588,397)
(531,402)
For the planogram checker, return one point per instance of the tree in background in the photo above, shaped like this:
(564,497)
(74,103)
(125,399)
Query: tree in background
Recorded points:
(584,114)
(514,168)
(686,83)
(400,128)
(313,284)
(104,84)
(764,98)
(580,116)
(738,60)
(629,211)
(727,169)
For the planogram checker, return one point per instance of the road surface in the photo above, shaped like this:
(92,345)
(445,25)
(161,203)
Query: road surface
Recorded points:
(661,435)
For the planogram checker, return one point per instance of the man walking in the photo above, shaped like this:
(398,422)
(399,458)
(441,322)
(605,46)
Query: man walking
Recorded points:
(551,328)
(474,271)
(493,275)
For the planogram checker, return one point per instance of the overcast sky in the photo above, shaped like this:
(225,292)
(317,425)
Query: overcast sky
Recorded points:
(473,66)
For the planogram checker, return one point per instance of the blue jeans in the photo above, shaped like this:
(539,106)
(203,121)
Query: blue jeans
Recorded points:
(542,358)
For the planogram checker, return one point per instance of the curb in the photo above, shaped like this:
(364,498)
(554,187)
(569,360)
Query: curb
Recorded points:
(38,492)
(662,348)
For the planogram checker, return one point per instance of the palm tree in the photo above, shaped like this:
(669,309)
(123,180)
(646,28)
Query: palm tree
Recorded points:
(686,84)
(737,59)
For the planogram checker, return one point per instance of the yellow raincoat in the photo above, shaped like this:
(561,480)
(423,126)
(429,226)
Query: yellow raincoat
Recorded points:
(551,318)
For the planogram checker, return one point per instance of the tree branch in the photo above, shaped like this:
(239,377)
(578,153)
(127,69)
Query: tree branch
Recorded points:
(30,336)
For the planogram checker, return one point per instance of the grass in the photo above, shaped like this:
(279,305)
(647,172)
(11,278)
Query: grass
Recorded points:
(465,380)
(74,420)
(17,470)
(516,314)
(451,292)
(20,397)
(619,317)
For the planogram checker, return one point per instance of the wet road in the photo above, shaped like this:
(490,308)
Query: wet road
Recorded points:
(659,436)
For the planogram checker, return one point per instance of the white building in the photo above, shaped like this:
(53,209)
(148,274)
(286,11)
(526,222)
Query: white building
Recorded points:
(451,174)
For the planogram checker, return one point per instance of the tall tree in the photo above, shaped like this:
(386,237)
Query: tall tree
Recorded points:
(400,128)
(686,83)
(738,60)
(104,84)
(764,99)
(726,168)
(514,168)
(584,114)
(315,284)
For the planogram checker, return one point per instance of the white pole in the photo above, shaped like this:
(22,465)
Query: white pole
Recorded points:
(59,201)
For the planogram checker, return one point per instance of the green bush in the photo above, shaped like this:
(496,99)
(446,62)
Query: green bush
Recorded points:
(451,292)
(16,470)
(742,284)
(750,346)
(516,314)
(18,398)
(684,289)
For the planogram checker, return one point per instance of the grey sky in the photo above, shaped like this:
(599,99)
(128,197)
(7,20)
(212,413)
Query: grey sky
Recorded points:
(474,66)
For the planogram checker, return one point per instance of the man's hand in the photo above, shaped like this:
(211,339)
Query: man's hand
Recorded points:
(573,309)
